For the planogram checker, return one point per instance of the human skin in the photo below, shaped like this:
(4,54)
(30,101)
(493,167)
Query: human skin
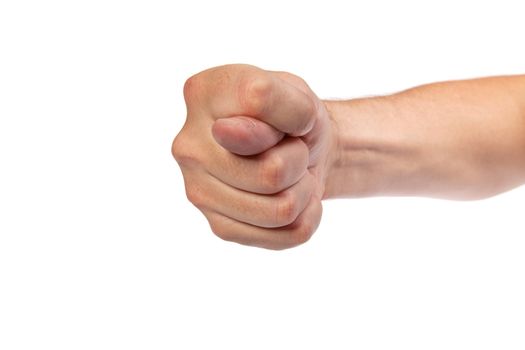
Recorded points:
(259,150)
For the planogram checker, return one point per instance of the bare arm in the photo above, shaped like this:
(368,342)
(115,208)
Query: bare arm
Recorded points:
(457,140)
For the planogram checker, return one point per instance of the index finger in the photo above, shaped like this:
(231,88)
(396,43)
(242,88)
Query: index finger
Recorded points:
(243,90)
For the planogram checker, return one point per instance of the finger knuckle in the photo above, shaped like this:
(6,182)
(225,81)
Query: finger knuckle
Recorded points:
(180,149)
(303,231)
(254,94)
(185,151)
(192,87)
(273,174)
(310,110)
(196,196)
(220,230)
(177,147)
(286,210)
(305,124)
(294,79)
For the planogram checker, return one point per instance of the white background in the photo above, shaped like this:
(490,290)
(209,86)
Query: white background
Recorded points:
(99,248)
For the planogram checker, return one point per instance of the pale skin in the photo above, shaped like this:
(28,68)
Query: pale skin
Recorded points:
(259,150)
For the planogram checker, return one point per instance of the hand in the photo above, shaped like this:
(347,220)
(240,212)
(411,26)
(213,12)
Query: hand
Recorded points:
(254,152)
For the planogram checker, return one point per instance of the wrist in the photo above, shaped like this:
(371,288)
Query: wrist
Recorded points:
(374,151)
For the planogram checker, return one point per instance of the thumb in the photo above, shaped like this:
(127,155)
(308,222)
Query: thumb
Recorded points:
(244,135)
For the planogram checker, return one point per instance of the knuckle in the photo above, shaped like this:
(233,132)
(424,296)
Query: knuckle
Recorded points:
(191,87)
(273,174)
(309,111)
(220,230)
(254,94)
(299,80)
(296,80)
(184,151)
(286,210)
(196,196)
(303,231)
(179,148)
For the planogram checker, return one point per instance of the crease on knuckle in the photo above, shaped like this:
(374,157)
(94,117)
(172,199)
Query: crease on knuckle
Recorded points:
(302,231)
(273,174)
(255,91)
(287,209)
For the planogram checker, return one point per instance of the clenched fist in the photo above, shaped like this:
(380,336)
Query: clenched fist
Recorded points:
(254,153)
(259,150)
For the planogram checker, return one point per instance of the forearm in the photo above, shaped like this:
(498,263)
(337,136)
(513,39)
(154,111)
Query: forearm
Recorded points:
(458,140)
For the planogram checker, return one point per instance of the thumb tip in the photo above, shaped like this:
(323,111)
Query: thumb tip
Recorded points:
(245,136)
